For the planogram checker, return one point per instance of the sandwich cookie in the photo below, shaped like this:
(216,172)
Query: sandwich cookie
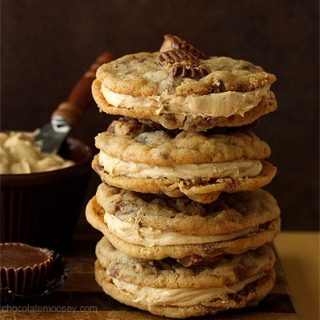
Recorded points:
(181,88)
(154,227)
(145,158)
(166,288)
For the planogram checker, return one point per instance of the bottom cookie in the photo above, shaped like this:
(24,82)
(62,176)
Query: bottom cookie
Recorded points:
(168,289)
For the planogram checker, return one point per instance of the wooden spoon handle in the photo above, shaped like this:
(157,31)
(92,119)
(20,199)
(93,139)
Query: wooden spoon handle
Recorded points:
(73,109)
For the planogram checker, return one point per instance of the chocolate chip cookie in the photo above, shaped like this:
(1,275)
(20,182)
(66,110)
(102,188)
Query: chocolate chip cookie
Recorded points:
(142,157)
(153,227)
(167,288)
(181,88)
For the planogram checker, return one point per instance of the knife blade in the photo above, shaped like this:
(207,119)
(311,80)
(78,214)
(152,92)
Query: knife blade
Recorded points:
(70,112)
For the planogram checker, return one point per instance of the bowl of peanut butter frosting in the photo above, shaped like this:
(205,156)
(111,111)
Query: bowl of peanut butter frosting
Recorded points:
(41,193)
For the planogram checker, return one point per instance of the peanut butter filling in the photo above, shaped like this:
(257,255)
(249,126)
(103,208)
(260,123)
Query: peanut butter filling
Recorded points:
(232,169)
(223,104)
(184,297)
(150,237)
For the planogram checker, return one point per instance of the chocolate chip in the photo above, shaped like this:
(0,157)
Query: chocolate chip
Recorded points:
(217,88)
(240,272)
(264,226)
(111,127)
(113,272)
(164,156)
(117,206)
(235,297)
(147,197)
(170,117)
(197,261)
(141,60)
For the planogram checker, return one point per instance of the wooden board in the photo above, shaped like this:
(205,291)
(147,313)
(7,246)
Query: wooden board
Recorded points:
(81,298)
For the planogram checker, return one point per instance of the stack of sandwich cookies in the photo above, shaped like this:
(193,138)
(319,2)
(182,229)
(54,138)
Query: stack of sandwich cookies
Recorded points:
(186,226)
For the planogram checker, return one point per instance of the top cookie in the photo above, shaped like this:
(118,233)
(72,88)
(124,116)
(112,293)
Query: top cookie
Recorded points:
(179,87)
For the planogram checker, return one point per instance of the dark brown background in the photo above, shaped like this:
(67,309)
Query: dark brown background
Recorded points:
(47,44)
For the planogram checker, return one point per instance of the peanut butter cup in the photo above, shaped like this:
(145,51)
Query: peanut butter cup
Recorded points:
(24,268)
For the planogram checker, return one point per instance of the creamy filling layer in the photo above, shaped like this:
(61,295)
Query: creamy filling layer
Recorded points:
(150,237)
(222,104)
(184,297)
(231,169)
